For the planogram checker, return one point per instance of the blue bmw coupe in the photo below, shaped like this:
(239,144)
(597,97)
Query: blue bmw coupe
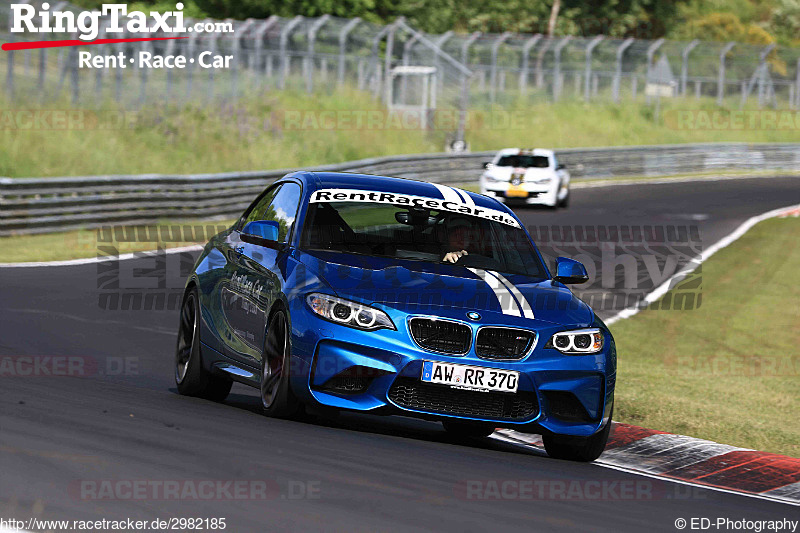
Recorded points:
(395,296)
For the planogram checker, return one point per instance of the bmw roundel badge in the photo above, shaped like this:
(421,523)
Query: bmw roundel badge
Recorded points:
(472,315)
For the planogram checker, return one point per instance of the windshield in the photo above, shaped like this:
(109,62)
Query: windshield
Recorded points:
(420,234)
(524,161)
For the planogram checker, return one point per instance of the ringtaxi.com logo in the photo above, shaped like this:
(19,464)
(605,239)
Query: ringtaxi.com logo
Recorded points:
(116,17)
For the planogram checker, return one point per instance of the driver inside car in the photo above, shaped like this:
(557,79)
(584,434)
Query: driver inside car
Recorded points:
(461,235)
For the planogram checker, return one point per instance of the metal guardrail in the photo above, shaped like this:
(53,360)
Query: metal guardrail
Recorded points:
(42,205)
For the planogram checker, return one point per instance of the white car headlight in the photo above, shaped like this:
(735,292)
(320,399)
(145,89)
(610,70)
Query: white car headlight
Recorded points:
(491,178)
(347,313)
(543,181)
(577,342)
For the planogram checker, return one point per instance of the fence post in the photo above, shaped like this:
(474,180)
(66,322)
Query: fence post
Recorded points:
(721,74)
(258,35)
(466,44)
(503,37)
(540,61)
(409,44)
(213,38)
(283,55)
(651,50)
(557,66)
(238,37)
(618,71)
(343,33)
(312,39)
(192,66)
(587,84)
(685,64)
(373,61)
(526,50)
(763,72)
(387,59)
(439,43)
(10,69)
(797,87)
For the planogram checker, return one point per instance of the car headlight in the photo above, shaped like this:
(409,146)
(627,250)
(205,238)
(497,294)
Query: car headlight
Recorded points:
(347,313)
(543,181)
(491,178)
(579,341)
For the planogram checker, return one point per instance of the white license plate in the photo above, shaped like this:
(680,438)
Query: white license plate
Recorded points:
(470,377)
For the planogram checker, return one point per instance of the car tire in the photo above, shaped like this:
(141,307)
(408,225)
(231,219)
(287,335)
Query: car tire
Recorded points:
(191,378)
(463,429)
(583,449)
(277,397)
(565,201)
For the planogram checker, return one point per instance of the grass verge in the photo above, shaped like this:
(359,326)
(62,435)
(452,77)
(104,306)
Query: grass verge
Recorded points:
(289,129)
(727,371)
(108,241)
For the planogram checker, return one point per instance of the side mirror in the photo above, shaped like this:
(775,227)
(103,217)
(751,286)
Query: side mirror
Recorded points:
(261,233)
(561,166)
(487,164)
(570,272)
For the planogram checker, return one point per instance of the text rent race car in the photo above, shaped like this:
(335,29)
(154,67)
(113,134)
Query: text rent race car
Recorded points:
(526,177)
(395,296)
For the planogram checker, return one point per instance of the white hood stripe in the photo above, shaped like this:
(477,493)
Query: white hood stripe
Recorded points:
(449,194)
(466,198)
(523,302)
(508,304)
(452,194)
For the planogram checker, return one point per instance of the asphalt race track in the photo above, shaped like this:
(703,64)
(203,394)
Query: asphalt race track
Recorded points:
(64,438)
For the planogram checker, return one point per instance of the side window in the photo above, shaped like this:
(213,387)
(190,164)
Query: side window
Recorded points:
(283,209)
(257,213)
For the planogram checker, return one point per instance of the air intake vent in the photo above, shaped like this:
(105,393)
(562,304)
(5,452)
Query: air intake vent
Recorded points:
(413,394)
(441,336)
(503,343)
(354,380)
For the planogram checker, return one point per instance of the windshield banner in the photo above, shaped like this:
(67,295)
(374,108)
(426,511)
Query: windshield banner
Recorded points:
(356,195)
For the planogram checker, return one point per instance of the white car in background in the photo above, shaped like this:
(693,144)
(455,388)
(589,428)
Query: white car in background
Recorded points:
(533,177)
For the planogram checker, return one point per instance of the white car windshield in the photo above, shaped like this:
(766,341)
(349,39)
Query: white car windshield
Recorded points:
(524,161)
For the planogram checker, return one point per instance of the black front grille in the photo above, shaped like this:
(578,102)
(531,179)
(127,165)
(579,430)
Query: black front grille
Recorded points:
(503,343)
(413,394)
(441,335)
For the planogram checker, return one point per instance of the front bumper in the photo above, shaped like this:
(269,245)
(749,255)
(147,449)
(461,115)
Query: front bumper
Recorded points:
(380,372)
(534,194)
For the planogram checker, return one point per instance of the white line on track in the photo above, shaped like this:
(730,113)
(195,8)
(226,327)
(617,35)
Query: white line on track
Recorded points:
(662,289)
(104,259)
